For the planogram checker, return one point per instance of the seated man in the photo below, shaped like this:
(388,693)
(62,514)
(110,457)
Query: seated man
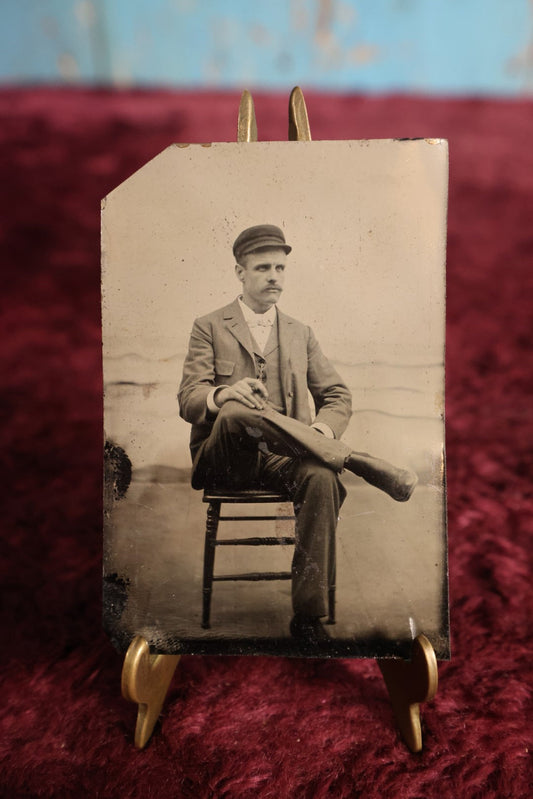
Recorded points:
(245,388)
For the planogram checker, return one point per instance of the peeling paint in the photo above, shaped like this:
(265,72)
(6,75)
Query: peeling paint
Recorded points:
(324,18)
(522,63)
(67,66)
(85,13)
(299,15)
(364,54)
(260,35)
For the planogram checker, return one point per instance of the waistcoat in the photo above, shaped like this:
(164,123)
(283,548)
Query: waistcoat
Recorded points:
(267,368)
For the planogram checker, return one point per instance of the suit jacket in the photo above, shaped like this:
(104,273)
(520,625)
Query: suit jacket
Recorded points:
(220,353)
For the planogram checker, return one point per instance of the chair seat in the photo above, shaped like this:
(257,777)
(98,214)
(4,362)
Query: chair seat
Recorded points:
(244,495)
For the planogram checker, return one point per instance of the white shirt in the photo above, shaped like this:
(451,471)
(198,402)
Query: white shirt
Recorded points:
(259,324)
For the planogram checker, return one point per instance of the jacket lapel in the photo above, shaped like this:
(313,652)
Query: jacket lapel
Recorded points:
(234,321)
(272,341)
(284,335)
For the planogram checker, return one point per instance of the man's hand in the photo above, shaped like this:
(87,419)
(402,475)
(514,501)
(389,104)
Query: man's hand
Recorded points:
(249,391)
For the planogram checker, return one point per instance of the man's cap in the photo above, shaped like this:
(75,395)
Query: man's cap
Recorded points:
(257,237)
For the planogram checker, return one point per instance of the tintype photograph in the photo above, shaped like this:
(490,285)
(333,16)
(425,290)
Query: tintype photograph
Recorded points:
(273,342)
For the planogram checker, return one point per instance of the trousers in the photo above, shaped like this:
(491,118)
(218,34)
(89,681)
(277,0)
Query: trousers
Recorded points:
(249,448)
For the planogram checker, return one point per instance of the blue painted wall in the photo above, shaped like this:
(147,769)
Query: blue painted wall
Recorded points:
(429,46)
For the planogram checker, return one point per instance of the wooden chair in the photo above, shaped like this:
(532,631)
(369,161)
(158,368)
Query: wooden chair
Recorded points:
(215,499)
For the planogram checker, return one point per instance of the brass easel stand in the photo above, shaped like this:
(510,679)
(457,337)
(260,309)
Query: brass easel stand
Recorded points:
(145,680)
(146,677)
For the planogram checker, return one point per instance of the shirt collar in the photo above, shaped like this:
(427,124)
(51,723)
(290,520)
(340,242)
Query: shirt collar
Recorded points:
(252,318)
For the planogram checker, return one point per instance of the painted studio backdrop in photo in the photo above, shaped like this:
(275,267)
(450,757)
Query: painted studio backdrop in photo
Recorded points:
(423,46)
(368,282)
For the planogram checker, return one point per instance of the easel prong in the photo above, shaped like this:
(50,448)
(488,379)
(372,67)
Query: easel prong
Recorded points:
(409,683)
(145,680)
(246,125)
(299,129)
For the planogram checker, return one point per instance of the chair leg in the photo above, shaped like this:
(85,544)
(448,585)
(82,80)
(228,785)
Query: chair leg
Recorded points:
(331,594)
(331,604)
(211,527)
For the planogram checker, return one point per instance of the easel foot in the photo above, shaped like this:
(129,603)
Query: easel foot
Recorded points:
(409,683)
(145,680)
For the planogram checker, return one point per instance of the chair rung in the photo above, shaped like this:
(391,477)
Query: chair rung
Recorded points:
(254,576)
(254,542)
(255,518)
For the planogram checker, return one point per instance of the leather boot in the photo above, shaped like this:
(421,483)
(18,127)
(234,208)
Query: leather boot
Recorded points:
(397,483)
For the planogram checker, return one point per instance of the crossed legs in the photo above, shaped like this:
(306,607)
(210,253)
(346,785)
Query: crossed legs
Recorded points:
(239,434)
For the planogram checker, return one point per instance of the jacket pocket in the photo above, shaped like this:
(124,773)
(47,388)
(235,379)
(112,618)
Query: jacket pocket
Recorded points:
(224,368)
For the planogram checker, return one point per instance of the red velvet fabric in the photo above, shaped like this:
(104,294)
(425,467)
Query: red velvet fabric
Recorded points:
(254,727)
